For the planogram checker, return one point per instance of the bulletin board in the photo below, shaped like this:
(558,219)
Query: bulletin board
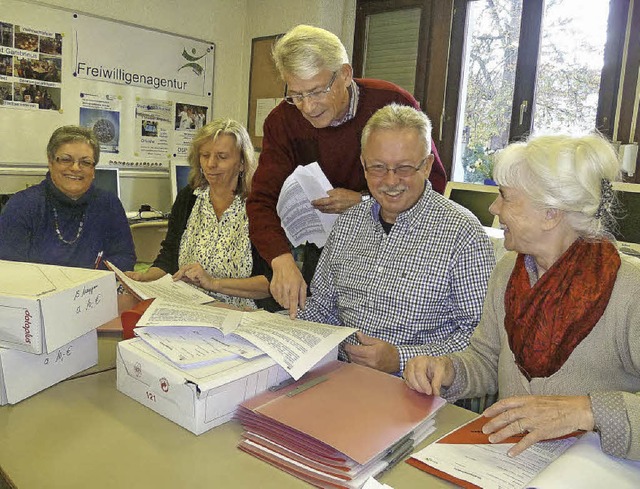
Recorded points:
(144,92)
(266,88)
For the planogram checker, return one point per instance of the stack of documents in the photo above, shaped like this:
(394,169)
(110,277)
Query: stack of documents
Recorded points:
(195,363)
(466,458)
(337,426)
(198,335)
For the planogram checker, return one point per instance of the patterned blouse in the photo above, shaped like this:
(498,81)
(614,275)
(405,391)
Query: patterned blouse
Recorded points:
(222,246)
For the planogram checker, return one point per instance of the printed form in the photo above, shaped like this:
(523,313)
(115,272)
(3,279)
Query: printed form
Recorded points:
(300,220)
(163,288)
(209,334)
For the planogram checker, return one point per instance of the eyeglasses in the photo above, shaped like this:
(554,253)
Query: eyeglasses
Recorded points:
(68,161)
(402,171)
(297,99)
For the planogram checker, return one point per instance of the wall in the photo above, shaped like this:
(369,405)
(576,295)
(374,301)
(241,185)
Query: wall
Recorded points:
(270,17)
(231,25)
(221,21)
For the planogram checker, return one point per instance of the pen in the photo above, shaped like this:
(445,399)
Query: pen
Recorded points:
(98,260)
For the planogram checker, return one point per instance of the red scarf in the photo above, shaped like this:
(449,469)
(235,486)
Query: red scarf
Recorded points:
(546,322)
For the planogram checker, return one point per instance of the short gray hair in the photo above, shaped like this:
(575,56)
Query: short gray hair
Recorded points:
(210,132)
(305,51)
(398,117)
(564,172)
(73,134)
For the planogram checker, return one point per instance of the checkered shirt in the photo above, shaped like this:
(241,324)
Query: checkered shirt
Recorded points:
(421,287)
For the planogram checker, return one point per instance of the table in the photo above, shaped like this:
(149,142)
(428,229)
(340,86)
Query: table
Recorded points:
(83,433)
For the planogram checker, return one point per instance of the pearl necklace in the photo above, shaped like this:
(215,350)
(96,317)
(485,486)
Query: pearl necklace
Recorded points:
(55,222)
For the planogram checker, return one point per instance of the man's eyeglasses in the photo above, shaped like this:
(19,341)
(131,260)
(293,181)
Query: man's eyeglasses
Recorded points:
(297,99)
(68,161)
(402,171)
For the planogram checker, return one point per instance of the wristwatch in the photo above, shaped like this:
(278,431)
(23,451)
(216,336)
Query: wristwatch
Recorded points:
(364,195)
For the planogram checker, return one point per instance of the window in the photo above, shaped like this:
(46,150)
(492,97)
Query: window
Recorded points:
(530,65)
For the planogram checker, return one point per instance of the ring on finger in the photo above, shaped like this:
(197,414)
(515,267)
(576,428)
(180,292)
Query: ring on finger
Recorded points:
(520,430)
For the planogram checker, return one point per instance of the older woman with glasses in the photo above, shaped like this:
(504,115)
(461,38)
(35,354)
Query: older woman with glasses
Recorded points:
(65,220)
(559,338)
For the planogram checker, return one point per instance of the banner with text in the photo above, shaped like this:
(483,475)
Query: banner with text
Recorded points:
(118,53)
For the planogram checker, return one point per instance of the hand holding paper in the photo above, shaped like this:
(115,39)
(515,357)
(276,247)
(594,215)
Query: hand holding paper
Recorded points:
(339,200)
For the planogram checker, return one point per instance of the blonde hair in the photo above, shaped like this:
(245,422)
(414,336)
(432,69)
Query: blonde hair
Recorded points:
(566,173)
(305,51)
(210,132)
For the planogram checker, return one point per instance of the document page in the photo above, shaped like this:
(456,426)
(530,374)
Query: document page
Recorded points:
(300,220)
(163,288)
(487,465)
(296,345)
(584,465)
(165,313)
(194,347)
(180,333)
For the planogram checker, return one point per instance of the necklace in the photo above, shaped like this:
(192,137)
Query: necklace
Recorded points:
(80,226)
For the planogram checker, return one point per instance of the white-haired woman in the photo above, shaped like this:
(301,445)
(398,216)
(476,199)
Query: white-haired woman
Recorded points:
(207,242)
(559,338)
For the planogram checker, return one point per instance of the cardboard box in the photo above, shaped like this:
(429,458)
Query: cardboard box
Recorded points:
(23,374)
(43,307)
(197,399)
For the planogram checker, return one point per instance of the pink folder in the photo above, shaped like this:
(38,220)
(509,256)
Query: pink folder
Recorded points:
(340,414)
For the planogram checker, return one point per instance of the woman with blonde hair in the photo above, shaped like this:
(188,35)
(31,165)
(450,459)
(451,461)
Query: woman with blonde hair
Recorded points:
(207,242)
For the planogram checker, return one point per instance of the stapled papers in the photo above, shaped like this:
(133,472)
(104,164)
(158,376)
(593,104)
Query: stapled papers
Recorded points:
(300,220)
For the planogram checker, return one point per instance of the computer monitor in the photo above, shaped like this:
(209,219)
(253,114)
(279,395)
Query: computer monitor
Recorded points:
(475,197)
(628,230)
(179,174)
(108,179)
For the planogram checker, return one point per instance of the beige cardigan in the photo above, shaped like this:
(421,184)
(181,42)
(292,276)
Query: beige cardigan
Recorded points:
(605,365)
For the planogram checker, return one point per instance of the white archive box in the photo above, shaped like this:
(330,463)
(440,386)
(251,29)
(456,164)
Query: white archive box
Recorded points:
(23,374)
(200,398)
(43,307)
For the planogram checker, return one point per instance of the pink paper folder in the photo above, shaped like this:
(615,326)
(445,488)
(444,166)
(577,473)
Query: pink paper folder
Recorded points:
(337,425)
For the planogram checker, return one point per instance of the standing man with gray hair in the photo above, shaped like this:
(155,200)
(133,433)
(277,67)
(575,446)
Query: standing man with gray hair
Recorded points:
(321,119)
(408,268)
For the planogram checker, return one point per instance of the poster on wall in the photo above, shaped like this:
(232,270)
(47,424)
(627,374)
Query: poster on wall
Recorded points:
(153,124)
(102,114)
(30,67)
(189,118)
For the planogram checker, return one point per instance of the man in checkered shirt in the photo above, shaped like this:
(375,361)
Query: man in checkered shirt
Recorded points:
(408,267)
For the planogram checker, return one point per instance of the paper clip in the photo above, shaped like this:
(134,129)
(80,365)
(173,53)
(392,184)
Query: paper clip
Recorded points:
(306,386)
(282,385)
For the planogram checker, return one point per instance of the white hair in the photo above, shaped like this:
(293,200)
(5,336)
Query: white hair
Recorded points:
(566,173)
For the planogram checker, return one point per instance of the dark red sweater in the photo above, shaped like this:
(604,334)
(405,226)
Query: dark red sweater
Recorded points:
(290,140)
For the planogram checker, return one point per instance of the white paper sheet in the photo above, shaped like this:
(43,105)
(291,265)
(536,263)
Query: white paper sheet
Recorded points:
(163,288)
(294,344)
(300,220)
